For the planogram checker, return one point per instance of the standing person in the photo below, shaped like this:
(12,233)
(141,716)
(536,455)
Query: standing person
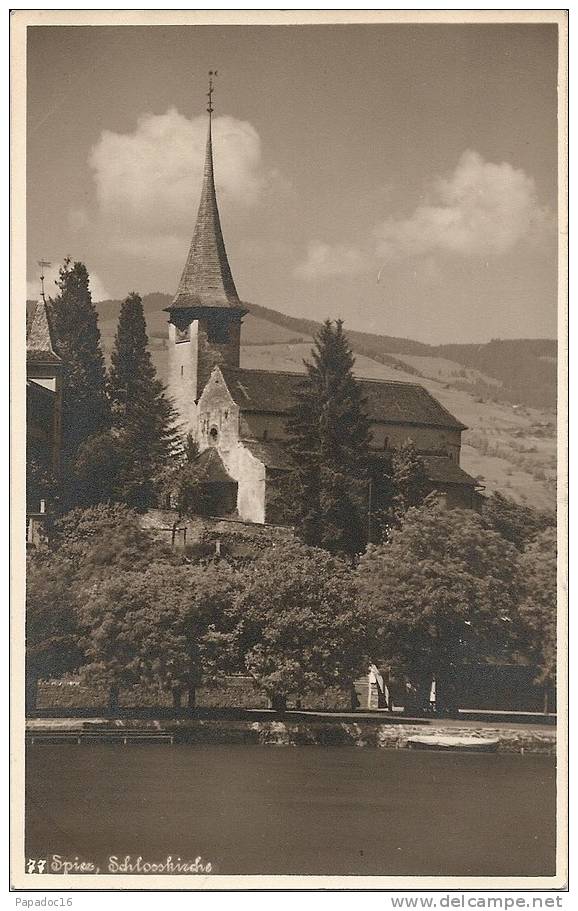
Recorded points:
(432,696)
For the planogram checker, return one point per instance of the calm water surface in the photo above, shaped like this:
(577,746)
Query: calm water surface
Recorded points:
(323,810)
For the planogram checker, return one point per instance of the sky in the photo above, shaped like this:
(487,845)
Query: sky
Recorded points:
(401,177)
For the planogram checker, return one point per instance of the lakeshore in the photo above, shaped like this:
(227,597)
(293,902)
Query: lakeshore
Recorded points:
(375,730)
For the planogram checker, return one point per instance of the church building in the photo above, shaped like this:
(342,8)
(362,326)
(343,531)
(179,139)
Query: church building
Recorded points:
(238,416)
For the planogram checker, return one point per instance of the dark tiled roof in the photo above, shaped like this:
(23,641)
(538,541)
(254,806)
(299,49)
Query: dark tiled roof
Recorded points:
(387,402)
(39,346)
(441,470)
(207,280)
(273,455)
(214,470)
(42,357)
(30,311)
(262,390)
(405,403)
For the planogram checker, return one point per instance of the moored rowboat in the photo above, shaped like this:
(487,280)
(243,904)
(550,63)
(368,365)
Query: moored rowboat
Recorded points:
(462,742)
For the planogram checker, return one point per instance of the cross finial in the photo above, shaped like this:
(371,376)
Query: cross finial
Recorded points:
(211,90)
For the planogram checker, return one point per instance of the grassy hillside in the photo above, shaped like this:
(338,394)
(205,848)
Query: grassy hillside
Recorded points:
(519,371)
(511,441)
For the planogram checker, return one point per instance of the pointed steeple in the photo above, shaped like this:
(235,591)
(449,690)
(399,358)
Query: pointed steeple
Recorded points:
(207,280)
(39,337)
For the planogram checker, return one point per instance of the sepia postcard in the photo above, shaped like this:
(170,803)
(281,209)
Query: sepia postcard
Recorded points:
(289,416)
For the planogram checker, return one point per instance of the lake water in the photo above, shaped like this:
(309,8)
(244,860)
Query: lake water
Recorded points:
(310,810)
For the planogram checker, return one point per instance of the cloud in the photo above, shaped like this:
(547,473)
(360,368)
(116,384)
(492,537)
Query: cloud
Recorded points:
(482,209)
(51,273)
(97,289)
(326,260)
(148,181)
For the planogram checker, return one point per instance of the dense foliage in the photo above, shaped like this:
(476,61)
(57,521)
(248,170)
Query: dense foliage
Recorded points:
(52,633)
(301,628)
(182,482)
(538,565)
(108,599)
(516,523)
(443,589)
(159,627)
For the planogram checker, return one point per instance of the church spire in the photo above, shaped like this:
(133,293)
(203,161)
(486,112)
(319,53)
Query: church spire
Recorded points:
(207,280)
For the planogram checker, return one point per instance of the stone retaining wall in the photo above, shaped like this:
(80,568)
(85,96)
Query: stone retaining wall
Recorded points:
(327,732)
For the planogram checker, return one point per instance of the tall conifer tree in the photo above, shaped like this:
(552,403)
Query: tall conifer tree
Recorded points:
(329,440)
(74,319)
(142,415)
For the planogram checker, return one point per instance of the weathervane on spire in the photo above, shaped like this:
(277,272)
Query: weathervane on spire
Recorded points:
(211,90)
(43,265)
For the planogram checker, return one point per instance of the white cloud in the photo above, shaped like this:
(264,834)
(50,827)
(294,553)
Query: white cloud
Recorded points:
(51,274)
(326,260)
(97,288)
(148,181)
(482,209)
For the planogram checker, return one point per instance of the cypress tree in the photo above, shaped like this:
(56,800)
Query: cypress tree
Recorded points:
(74,319)
(329,440)
(142,415)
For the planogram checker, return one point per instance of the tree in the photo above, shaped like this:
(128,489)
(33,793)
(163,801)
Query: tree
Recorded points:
(398,483)
(85,409)
(444,588)
(106,539)
(87,549)
(410,481)
(52,640)
(538,611)
(516,523)
(159,627)
(97,467)
(329,441)
(299,626)
(41,483)
(210,623)
(182,483)
(142,414)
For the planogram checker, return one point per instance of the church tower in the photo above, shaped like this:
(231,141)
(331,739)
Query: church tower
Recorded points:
(205,315)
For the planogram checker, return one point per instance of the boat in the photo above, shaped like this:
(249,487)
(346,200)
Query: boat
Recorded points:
(468,743)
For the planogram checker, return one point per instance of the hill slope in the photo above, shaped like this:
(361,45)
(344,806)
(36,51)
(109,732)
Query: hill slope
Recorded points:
(511,440)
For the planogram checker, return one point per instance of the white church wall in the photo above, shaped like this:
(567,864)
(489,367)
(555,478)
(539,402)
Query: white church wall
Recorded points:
(218,416)
(250,475)
(182,377)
